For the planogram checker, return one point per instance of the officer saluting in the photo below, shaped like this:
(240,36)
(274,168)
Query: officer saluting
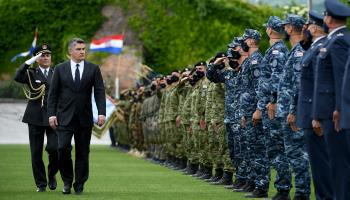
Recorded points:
(331,62)
(38,81)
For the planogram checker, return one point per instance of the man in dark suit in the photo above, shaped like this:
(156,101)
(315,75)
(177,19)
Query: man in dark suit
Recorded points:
(70,112)
(331,62)
(315,141)
(38,81)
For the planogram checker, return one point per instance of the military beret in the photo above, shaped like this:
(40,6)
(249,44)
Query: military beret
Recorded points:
(220,55)
(315,18)
(275,23)
(294,20)
(43,48)
(251,33)
(200,63)
(336,9)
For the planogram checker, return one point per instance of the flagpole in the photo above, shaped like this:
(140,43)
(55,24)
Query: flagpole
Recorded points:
(117,96)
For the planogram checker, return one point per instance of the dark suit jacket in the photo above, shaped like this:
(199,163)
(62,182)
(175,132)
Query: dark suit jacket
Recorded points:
(308,63)
(35,112)
(331,62)
(65,100)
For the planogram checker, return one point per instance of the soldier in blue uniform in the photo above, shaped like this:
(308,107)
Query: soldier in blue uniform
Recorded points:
(331,63)
(315,142)
(249,85)
(287,94)
(270,72)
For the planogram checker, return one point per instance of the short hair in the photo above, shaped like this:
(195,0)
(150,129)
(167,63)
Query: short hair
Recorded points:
(75,41)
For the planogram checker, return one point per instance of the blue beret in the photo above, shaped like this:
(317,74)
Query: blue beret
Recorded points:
(336,9)
(275,23)
(315,18)
(294,20)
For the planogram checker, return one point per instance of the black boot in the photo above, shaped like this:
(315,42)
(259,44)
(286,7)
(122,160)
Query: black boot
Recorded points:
(225,180)
(257,193)
(182,164)
(199,171)
(301,197)
(282,195)
(249,186)
(208,172)
(218,175)
(238,184)
(192,169)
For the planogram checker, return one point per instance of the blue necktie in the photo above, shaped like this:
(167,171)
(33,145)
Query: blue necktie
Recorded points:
(77,77)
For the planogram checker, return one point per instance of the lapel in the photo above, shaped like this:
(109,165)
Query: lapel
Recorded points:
(49,76)
(40,75)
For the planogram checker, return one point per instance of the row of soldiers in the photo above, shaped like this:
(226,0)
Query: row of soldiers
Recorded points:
(244,112)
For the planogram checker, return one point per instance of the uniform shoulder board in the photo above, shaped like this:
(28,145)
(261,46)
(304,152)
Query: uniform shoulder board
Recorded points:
(37,81)
(275,52)
(254,62)
(205,86)
(256,73)
(299,54)
(340,34)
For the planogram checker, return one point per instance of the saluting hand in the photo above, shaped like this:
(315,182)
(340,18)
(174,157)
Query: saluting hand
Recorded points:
(271,110)
(243,122)
(292,122)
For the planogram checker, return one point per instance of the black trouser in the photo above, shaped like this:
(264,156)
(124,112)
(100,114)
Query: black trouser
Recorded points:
(82,136)
(36,141)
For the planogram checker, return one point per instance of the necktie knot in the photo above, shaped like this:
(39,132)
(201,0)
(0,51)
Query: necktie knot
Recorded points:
(77,65)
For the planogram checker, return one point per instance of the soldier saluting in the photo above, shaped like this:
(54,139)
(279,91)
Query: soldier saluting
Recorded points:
(37,83)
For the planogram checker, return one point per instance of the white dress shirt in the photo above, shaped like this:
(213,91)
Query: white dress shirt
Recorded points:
(73,67)
(43,70)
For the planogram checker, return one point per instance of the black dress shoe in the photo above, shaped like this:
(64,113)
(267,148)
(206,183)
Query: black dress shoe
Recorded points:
(66,189)
(78,188)
(52,183)
(41,189)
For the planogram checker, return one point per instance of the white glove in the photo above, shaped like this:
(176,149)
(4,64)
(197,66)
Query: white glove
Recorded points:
(33,59)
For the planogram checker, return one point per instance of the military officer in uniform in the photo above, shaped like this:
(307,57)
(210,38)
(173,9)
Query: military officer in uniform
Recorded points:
(331,62)
(38,81)
(314,140)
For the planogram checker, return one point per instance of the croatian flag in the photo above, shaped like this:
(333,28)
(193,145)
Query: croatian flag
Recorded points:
(31,49)
(111,44)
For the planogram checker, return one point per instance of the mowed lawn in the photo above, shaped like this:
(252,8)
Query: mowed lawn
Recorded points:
(113,175)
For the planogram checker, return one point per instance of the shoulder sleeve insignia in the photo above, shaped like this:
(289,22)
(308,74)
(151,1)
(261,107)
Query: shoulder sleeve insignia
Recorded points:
(254,62)
(340,34)
(275,52)
(299,54)
(323,50)
(256,73)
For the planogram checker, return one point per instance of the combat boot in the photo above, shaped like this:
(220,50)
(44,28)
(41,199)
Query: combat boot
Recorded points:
(249,187)
(199,171)
(257,193)
(225,180)
(282,195)
(218,175)
(207,173)
(238,184)
(301,197)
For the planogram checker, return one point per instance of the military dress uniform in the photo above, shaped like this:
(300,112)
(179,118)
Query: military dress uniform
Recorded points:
(319,159)
(36,117)
(331,63)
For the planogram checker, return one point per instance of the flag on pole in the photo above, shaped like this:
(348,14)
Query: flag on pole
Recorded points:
(110,44)
(31,49)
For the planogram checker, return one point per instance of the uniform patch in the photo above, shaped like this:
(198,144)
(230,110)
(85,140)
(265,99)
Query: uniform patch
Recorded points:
(297,66)
(299,54)
(323,50)
(256,72)
(205,86)
(37,81)
(275,52)
(340,34)
(254,62)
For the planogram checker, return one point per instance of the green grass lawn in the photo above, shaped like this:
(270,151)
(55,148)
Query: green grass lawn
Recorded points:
(113,175)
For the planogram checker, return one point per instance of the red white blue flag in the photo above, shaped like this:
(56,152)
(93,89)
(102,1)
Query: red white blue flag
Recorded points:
(31,49)
(111,44)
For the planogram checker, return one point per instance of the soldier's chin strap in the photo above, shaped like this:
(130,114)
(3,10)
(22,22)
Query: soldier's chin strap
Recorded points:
(38,92)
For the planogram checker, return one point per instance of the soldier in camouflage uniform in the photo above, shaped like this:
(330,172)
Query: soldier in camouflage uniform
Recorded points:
(250,77)
(270,72)
(161,122)
(122,126)
(198,125)
(288,90)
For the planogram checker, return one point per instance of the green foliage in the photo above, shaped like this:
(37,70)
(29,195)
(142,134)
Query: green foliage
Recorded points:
(11,89)
(57,21)
(178,33)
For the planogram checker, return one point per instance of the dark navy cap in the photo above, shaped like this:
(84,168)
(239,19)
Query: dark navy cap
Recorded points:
(42,48)
(315,18)
(294,20)
(200,63)
(275,23)
(237,41)
(251,33)
(336,9)
(220,55)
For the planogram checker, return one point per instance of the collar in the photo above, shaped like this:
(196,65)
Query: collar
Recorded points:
(317,39)
(335,30)
(73,64)
(43,69)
